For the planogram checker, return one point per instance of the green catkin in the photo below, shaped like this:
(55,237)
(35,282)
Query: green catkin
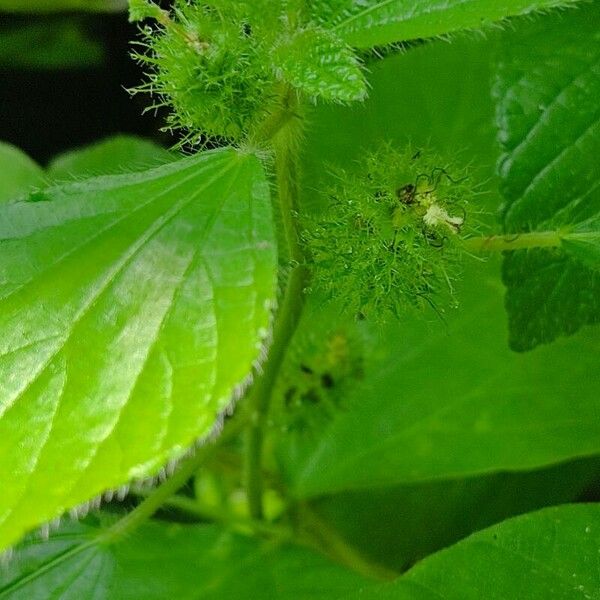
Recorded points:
(391,235)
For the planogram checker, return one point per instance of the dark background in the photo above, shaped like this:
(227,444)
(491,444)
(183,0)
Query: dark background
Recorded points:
(47,111)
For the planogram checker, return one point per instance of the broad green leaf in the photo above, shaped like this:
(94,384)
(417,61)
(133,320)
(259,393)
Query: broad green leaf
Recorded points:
(161,561)
(48,6)
(551,554)
(55,45)
(398,526)
(440,401)
(113,155)
(18,172)
(131,308)
(443,400)
(320,65)
(366,23)
(547,91)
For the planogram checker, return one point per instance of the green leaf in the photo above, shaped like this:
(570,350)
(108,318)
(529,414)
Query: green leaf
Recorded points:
(113,155)
(367,23)
(48,6)
(440,401)
(55,45)
(161,561)
(131,309)
(443,401)
(583,242)
(18,173)
(549,554)
(547,91)
(320,65)
(396,527)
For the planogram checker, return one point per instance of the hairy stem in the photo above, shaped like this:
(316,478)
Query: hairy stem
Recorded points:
(517,241)
(284,140)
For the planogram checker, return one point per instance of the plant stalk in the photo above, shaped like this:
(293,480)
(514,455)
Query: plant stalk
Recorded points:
(283,141)
(518,241)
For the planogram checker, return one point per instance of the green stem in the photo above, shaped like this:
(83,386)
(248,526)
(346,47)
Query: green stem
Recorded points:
(520,241)
(291,306)
(193,508)
(187,468)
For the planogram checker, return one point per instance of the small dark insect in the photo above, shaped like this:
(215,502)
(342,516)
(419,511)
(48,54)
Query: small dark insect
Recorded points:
(306,369)
(246,29)
(407,194)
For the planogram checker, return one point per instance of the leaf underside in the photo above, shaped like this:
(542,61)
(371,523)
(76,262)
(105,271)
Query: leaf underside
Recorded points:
(131,307)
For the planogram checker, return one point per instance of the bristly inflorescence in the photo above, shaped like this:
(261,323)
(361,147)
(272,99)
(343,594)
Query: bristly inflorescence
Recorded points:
(221,65)
(390,237)
(207,65)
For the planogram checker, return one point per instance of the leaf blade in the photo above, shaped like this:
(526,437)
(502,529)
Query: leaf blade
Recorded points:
(441,402)
(129,330)
(111,156)
(378,22)
(18,172)
(532,557)
(549,127)
(320,65)
(204,561)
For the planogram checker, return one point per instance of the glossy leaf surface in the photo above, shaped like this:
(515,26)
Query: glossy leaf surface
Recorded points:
(131,308)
